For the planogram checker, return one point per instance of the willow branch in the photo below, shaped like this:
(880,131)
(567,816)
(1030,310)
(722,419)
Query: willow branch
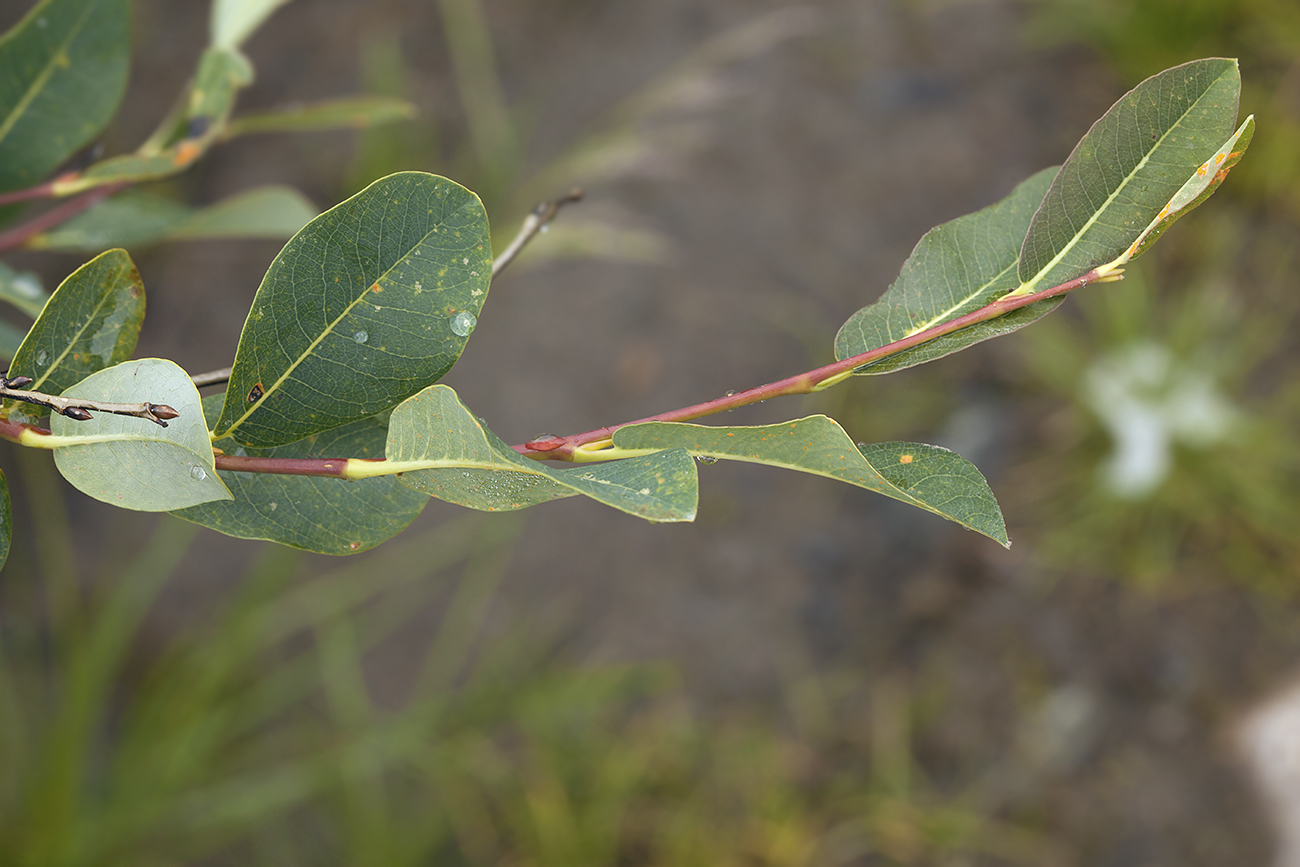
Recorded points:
(535,222)
(79,409)
(212,377)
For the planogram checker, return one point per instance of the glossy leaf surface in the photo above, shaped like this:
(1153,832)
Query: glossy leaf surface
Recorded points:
(92,321)
(136,219)
(133,463)
(369,303)
(63,70)
(325,515)
(956,268)
(444,451)
(233,21)
(928,477)
(1128,166)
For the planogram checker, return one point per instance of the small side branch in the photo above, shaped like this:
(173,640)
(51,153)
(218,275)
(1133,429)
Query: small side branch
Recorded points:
(80,410)
(535,222)
(57,216)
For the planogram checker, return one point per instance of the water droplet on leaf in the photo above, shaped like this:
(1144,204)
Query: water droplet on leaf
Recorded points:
(361,337)
(198,474)
(463,323)
(42,358)
(706,459)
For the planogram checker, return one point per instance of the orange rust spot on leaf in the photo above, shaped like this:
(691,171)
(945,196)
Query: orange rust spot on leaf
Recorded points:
(186,153)
(905,459)
(376,288)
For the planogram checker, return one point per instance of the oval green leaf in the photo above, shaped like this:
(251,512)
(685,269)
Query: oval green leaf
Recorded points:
(1128,166)
(369,303)
(131,462)
(23,290)
(956,268)
(928,477)
(63,70)
(357,112)
(441,449)
(324,515)
(91,322)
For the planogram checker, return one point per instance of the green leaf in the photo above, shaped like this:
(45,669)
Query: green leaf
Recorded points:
(358,112)
(91,322)
(131,462)
(10,339)
(220,76)
(956,268)
(22,290)
(233,21)
(6,520)
(1199,187)
(1130,164)
(443,450)
(325,515)
(136,219)
(928,477)
(63,70)
(369,303)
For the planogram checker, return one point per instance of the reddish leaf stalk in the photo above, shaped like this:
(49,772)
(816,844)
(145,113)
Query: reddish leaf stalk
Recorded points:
(21,234)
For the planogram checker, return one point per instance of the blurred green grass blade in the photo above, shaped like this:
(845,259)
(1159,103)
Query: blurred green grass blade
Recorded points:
(233,21)
(446,452)
(956,268)
(358,112)
(92,321)
(130,462)
(63,70)
(220,76)
(1199,187)
(1127,167)
(360,310)
(928,477)
(136,219)
(328,516)
(22,290)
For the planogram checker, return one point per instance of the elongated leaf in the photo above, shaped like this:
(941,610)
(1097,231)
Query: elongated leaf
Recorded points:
(22,290)
(369,303)
(956,268)
(220,76)
(136,219)
(928,477)
(63,70)
(6,520)
(133,463)
(233,21)
(1129,165)
(91,322)
(444,451)
(328,516)
(1199,187)
(358,112)
(10,339)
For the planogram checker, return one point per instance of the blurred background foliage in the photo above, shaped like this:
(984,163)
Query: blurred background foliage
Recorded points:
(942,711)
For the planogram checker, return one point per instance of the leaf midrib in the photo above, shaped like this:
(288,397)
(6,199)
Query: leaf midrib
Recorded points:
(1028,286)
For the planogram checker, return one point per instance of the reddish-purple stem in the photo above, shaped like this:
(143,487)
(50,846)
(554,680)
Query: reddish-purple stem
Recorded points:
(21,234)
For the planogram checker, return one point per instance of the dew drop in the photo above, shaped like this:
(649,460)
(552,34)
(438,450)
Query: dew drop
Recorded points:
(42,358)
(198,474)
(706,459)
(463,323)
(361,337)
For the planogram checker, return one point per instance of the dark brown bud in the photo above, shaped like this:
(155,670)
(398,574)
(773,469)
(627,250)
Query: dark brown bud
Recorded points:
(76,413)
(19,382)
(162,410)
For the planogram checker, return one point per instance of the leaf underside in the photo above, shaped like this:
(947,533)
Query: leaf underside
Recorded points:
(131,462)
(929,477)
(453,456)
